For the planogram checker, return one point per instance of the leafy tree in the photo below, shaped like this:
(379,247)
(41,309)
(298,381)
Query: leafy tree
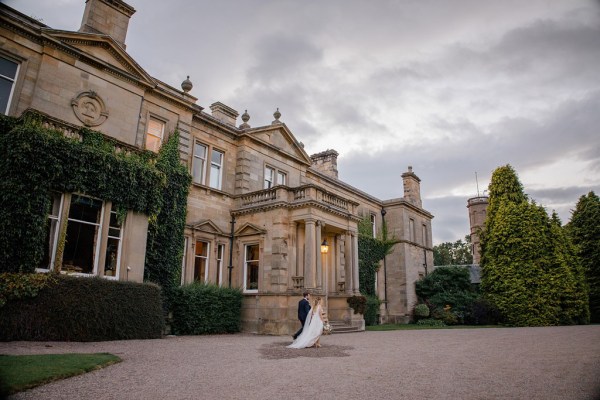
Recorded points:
(528,269)
(584,230)
(453,253)
(448,290)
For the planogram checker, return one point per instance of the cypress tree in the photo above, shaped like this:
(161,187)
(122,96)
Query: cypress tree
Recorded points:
(584,230)
(529,268)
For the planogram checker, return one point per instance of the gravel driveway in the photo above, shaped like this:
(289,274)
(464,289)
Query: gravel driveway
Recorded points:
(498,363)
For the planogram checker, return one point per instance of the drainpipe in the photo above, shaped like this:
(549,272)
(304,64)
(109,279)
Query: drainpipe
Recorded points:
(383,212)
(230,267)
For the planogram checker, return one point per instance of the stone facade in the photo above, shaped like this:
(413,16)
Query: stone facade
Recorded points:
(477,213)
(259,207)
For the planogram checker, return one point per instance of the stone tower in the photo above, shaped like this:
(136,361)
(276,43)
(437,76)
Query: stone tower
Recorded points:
(110,17)
(477,212)
(412,188)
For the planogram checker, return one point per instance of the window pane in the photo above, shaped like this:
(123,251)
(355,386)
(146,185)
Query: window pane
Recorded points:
(80,247)
(8,68)
(252,267)
(85,209)
(51,232)
(152,143)
(201,261)
(269,174)
(155,128)
(112,257)
(215,176)
(5,88)
(201,248)
(215,169)
(198,163)
(281,178)
(217,157)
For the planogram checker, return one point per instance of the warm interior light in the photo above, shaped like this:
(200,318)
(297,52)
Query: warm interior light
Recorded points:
(324,247)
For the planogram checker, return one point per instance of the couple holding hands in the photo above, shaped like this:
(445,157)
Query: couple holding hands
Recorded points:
(312,320)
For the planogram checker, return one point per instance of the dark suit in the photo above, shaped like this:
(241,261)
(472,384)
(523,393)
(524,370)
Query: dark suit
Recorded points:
(303,310)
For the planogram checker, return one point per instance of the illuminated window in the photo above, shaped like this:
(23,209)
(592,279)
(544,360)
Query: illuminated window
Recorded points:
(154,134)
(201,262)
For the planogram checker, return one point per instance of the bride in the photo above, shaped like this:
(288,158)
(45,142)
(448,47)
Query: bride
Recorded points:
(313,328)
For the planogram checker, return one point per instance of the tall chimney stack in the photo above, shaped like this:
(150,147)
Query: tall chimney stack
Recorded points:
(109,17)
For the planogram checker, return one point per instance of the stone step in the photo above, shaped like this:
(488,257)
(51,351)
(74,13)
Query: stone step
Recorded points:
(342,327)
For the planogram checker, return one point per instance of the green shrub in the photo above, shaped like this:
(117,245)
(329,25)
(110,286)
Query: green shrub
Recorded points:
(421,311)
(358,304)
(84,309)
(372,310)
(431,322)
(200,309)
(448,292)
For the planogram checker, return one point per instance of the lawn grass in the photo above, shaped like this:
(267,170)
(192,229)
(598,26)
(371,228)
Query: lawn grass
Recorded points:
(18,373)
(410,327)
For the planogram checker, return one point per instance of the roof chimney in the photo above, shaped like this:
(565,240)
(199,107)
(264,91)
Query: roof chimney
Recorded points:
(109,17)
(224,113)
(412,187)
(326,162)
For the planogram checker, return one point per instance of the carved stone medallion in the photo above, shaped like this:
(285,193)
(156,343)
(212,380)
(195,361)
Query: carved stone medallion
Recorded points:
(89,108)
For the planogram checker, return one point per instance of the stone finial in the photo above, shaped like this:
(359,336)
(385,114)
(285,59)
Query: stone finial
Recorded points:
(186,85)
(277,115)
(245,118)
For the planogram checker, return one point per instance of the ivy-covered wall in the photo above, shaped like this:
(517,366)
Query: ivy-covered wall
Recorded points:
(35,161)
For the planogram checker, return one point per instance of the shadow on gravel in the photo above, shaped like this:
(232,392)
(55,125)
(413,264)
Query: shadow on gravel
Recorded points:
(278,351)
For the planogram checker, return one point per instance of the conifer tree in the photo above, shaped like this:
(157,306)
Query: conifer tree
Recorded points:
(584,230)
(529,269)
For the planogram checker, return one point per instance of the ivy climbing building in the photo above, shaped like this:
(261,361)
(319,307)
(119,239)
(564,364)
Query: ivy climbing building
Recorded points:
(261,214)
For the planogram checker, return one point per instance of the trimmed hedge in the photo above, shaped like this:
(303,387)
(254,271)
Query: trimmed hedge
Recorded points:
(200,309)
(84,309)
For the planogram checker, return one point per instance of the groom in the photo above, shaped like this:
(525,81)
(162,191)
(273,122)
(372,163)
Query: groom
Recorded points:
(303,310)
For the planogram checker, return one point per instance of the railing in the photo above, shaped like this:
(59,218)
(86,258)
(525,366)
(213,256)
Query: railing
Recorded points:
(298,195)
(259,197)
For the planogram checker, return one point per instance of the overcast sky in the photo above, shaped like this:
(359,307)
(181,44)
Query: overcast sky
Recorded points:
(448,87)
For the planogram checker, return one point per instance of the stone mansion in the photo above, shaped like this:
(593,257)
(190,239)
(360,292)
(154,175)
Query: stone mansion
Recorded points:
(259,208)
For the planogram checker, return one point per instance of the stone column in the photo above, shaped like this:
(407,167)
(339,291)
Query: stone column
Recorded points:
(309,254)
(319,257)
(355,280)
(348,255)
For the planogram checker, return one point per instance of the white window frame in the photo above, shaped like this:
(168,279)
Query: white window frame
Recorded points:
(57,219)
(206,259)
(98,238)
(13,80)
(245,286)
(198,159)
(160,136)
(373,225)
(218,168)
(269,177)
(119,247)
(220,258)
(274,177)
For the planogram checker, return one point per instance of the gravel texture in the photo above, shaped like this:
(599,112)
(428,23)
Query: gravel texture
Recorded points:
(497,363)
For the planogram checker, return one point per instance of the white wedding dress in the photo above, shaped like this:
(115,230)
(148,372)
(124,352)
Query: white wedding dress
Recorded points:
(312,331)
